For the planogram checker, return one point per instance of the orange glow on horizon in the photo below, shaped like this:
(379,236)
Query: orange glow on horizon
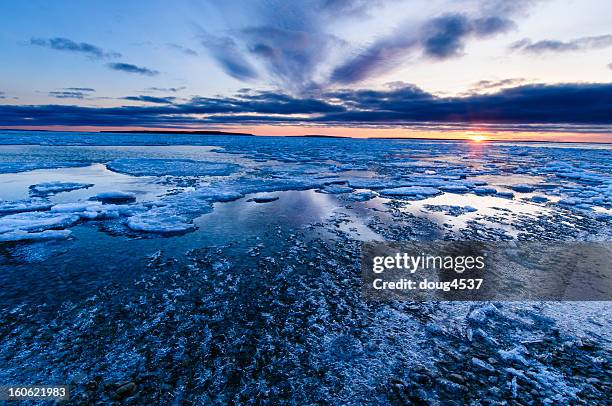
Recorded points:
(363,132)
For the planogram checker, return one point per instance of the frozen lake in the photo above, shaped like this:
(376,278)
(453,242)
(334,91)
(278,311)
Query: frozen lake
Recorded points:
(217,264)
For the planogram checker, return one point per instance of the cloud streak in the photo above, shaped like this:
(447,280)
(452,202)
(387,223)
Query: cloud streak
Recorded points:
(151,99)
(68,45)
(290,44)
(71,93)
(182,49)
(548,45)
(81,89)
(164,89)
(229,57)
(129,68)
(283,43)
(439,38)
(92,52)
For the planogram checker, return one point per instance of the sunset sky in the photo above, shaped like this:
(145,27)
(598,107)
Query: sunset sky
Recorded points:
(436,68)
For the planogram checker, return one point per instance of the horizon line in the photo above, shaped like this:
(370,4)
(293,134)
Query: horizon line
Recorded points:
(239,134)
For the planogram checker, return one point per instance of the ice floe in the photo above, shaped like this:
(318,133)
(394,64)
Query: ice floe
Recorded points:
(450,210)
(485,190)
(335,189)
(411,191)
(174,167)
(523,188)
(361,196)
(506,195)
(96,211)
(159,223)
(20,235)
(24,166)
(47,188)
(19,206)
(36,221)
(115,197)
(455,188)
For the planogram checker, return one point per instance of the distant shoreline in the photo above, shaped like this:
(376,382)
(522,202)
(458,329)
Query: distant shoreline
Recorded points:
(240,134)
(197,132)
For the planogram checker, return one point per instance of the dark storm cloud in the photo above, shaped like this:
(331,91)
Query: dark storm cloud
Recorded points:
(65,44)
(397,99)
(531,106)
(440,38)
(128,67)
(261,103)
(578,44)
(151,99)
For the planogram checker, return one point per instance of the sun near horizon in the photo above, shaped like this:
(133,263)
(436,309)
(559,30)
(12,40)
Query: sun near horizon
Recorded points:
(478,138)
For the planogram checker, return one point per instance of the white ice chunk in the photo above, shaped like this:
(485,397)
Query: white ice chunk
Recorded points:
(36,221)
(20,235)
(411,191)
(24,205)
(57,187)
(451,210)
(151,223)
(217,194)
(97,210)
(335,189)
